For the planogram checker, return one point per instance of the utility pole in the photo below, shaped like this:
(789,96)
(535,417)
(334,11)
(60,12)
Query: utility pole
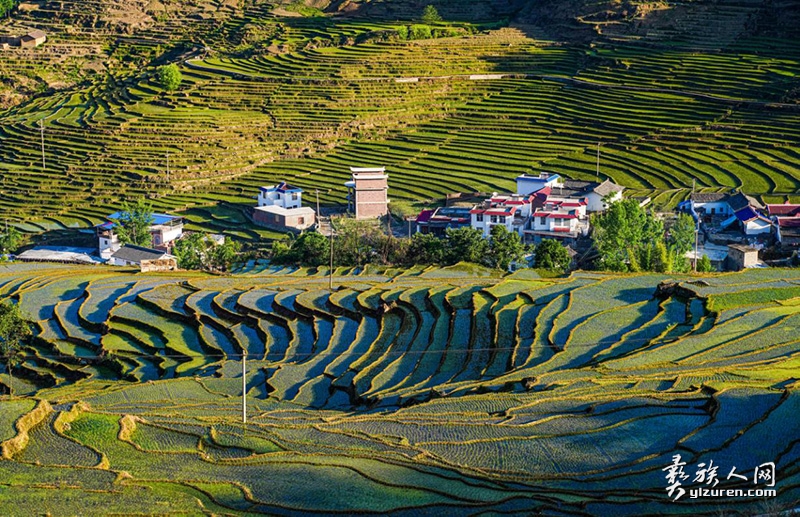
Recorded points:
(168,171)
(244,385)
(330,270)
(696,232)
(317,191)
(41,129)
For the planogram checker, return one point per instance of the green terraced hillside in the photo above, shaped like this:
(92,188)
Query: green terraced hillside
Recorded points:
(416,392)
(696,91)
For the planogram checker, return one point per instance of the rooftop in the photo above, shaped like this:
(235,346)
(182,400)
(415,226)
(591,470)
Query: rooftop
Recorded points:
(136,254)
(281,187)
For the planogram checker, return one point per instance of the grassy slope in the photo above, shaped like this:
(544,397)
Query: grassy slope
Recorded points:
(523,408)
(286,98)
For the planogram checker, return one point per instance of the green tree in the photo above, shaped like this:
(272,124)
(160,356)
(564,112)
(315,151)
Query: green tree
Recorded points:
(624,235)
(465,244)
(133,225)
(191,250)
(10,240)
(425,248)
(505,247)
(169,77)
(550,254)
(704,265)
(420,32)
(14,332)
(662,261)
(681,239)
(222,256)
(312,249)
(430,14)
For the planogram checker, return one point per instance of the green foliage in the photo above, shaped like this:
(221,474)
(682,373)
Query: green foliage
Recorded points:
(14,332)
(420,32)
(6,6)
(551,255)
(402,32)
(625,235)
(426,248)
(199,251)
(704,265)
(133,225)
(310,249)
(505,247)
(430,15)
(10,240)
(680,240)
(169,77)
(465,244)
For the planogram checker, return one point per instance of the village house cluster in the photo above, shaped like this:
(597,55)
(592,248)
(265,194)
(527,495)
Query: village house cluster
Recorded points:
(731,227)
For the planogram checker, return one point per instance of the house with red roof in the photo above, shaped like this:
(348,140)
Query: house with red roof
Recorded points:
(512,211)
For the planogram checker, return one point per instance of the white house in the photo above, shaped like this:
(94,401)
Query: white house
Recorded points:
(559,218)
(164,230)
(511,211)
(527,184)
(597,194)
(129,255)
(282,195)
(280,207)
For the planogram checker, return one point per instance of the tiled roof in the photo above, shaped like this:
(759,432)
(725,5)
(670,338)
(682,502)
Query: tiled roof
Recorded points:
(425,216)
(708,197)
(785,209)
(137,254)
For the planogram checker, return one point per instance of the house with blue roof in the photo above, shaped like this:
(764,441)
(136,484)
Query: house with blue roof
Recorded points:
(725,210)
(164,230)
(281,207)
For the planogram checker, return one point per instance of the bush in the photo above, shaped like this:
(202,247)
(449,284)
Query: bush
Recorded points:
(704,265)
(551,255)
(169,77)
(421,32)
(402,32)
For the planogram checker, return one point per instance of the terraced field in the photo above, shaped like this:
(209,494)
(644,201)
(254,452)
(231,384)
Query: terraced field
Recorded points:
(425,391)
(317,95)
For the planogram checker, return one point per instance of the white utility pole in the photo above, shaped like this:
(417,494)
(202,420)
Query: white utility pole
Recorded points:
(330,271)
(696,232)
(41,129)
(244,386)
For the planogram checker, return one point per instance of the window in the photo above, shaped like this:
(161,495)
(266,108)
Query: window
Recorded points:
(301,220)
(494,218)
(713,211)
(479,218)
(294,197)
(543,220)
(503,219)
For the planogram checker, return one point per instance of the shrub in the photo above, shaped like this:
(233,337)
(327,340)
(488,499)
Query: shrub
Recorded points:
(421,32)
(704,265)
(550,254)
(169,77)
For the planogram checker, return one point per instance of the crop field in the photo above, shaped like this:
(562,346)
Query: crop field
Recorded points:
(270,97)
(426,391)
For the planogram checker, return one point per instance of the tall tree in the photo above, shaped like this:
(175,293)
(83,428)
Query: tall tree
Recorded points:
(14,332)
(10,240)
(681,239)
(191,251)
(551,254)
(133,225)
(430,14)
(426,248)
(505,247)
(624,235)
(465,244)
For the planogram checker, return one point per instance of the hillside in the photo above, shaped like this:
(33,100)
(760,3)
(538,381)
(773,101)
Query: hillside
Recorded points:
(269,95)
(424,391)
